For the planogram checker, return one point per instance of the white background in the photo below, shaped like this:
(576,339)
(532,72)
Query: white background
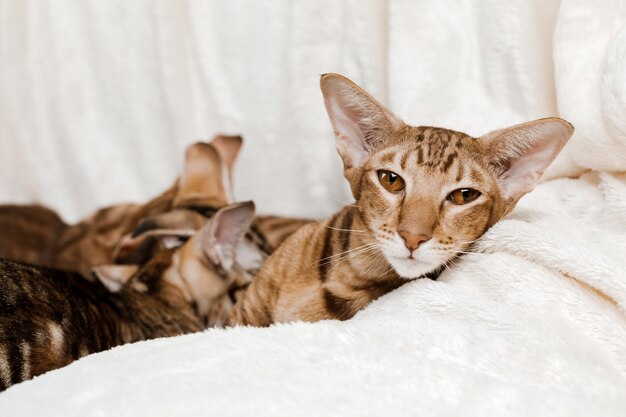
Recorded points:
(99,98)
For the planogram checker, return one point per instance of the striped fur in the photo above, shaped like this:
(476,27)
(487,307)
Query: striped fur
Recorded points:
(37,235)
(29,233)
(276,229)
(49,318)
(333,269)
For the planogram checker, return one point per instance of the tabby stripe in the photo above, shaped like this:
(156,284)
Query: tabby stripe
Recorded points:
(83,229)
(420,156)
(403,160)
(5,369)
(25,350)
(279,223)
(327,249)
(15,362)
(449,161)
(339,307)
(344,234)
(461,172)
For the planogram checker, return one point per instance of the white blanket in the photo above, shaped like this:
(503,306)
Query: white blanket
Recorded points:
(504,332)
(97,99)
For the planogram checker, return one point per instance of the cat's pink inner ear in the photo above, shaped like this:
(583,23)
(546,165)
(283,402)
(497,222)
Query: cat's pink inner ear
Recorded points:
(360,123)
(220,238)
(202,181)
(114,277)
(523,152)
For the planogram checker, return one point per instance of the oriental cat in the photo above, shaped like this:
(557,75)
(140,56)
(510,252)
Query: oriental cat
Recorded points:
(37,235)
(423,196)
(49,318)
(205,182)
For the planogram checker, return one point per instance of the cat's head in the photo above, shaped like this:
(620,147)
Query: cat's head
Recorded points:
(202,265)
(427,193)
(204,186)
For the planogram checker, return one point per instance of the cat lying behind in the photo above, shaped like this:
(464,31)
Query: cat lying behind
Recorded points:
(49,318)
(37,235)
(423,196)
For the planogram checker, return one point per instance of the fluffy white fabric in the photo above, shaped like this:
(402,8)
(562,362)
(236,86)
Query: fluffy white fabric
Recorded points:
(505,332)
(590,63)
(99,98)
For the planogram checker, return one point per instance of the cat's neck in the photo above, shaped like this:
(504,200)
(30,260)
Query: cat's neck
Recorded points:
(351,255)
(354,270)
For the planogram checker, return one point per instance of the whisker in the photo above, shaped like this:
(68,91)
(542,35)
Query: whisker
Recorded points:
(344,255)
(350,204)
(370,249)
(346,252)
(339,229)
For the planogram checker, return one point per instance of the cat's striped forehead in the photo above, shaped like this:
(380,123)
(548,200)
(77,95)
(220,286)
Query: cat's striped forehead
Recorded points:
(430,147)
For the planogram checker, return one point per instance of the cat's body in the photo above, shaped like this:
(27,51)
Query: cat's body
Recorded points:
(423,196)
(37,235)
(29,233)
(275,229)
(49,318)
(93,241)
(324,271)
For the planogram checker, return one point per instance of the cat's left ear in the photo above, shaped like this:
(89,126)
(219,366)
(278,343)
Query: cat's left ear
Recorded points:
(114,277)
(360,122)
(521,153)
(224,232)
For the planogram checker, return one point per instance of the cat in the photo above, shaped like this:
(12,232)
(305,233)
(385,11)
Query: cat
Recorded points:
(423,196)
(49,318)
(37,235)
(206,181)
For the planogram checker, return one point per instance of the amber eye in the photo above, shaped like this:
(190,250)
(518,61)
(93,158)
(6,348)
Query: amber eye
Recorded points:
(463,196)
(391,181)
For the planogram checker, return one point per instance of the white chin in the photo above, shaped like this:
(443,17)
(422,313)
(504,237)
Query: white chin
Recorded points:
(410,268)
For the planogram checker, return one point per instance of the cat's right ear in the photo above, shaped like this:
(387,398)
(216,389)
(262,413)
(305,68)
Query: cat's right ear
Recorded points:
(114,277)
(359,121)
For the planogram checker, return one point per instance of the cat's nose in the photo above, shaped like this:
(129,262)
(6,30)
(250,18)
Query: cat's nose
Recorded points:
(412,240)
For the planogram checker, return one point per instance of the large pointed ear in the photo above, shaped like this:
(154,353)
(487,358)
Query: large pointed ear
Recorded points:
(114,277)
(221,236)
(202,180)
(228,148)
(361,123)
(521,153)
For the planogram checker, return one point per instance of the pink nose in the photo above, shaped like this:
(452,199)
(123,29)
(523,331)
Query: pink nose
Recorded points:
(412,240)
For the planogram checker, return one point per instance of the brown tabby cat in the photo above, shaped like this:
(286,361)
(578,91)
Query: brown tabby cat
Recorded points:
(37,235)
(49,318)
(205,182)
(423,195)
